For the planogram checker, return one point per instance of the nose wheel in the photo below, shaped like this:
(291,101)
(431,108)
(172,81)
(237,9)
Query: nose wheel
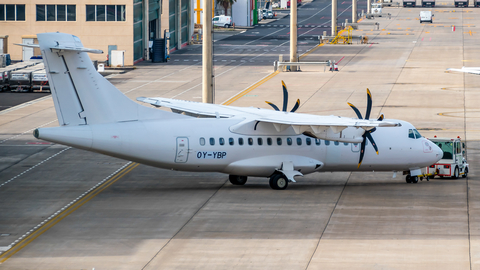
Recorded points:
(411,179)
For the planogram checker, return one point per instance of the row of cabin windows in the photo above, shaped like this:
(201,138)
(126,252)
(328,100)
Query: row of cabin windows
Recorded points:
(267,141)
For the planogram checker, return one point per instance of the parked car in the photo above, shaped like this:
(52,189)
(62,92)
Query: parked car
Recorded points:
(299,3)
(222,21)
(267,14)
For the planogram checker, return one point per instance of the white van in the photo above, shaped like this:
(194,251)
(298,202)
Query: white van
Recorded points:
(222,21)
(426,16)
(377,9)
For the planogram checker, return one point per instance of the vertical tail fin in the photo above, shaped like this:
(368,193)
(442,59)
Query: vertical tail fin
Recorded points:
(81,95)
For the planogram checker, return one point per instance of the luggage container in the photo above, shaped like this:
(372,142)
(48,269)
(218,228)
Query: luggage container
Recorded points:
(40,80)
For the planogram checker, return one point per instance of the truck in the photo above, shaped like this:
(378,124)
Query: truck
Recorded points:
(476,3)
(454,161)
(426,16)
(377,9)
(428,3)
(409,3)
(461,3)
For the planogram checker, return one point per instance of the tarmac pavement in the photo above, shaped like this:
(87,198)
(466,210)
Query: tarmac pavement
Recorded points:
(139,217)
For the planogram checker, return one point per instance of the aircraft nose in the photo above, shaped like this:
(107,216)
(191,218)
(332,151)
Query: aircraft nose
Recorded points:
(438,152)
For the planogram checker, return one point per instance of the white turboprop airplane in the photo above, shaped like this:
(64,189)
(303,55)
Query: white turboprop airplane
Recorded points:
(95,116)
(472,70)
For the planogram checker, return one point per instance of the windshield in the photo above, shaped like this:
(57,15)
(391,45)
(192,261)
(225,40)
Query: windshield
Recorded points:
(414,134)
(447,148)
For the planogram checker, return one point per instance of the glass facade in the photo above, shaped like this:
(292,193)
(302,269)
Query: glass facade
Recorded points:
(137,30)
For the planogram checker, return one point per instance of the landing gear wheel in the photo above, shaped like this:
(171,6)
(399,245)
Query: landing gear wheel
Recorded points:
(465,174)
(408,179)
(237,180)
(455,173)
(278,181)
(414,179)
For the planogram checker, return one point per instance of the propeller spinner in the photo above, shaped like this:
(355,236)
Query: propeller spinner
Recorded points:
(285,101)
(367,134)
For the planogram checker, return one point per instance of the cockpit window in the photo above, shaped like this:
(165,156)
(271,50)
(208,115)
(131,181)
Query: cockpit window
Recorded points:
(414,134)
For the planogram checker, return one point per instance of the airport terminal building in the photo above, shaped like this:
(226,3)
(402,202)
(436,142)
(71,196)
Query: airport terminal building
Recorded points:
(125,25)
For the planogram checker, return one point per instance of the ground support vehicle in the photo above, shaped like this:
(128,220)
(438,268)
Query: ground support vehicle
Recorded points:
(461,3)
(409,3)
(476,3)
(453,163)
(428,3)
(426,16)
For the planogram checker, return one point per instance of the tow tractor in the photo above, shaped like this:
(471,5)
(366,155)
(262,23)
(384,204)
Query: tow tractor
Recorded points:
(453,163)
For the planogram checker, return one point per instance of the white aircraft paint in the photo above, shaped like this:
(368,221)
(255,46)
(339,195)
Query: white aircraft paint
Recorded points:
(95,116)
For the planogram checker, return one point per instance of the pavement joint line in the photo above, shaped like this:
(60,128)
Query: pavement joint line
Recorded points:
(51,221)
(34,166)
(18,135)
(23,105)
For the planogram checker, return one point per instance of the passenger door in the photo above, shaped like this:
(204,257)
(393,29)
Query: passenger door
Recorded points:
(182,150)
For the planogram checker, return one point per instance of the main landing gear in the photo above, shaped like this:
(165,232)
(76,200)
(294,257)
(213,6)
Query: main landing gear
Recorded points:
(411,179)
(278,181)
(237,180)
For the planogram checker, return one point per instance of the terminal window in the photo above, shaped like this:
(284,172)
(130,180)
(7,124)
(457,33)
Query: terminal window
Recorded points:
(102,13)
(12,12)
(56,13)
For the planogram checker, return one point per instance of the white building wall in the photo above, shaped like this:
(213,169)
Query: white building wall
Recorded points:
(242,13)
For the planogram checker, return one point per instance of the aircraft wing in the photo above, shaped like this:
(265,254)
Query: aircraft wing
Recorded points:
(472,70)
(257,120)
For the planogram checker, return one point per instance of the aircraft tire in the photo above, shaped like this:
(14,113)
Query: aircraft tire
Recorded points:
(414,179)
(278,181)
(455,173)
(408,179)
(237,180)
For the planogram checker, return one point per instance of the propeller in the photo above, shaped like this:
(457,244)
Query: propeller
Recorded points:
(285,101)
(367,134)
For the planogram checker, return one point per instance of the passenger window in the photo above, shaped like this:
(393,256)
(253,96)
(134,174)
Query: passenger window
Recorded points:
(308,141)
(318,141)
(231,141)
(269,141)
(289,141)
(240,141)
(299,141)
(279,141)
(212,141)
(411,135)
(327,142)
(336,143)
(202,141)
(221,141)
(260,141)
(250,141)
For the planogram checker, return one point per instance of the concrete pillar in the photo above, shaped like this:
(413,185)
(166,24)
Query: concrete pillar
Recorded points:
(293,33)
(207,79)
(369,6)
(179,25)
(334,17)
(146,33)
(354,11)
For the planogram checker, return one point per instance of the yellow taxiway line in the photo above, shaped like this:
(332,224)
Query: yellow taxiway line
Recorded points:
(45,227)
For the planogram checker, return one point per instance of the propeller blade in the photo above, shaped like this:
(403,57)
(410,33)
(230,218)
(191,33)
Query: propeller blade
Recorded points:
(359,115)
(297,104)
(381,117)
(285,97)
(273,105)
(370,138)
(369,104)
(362,152)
